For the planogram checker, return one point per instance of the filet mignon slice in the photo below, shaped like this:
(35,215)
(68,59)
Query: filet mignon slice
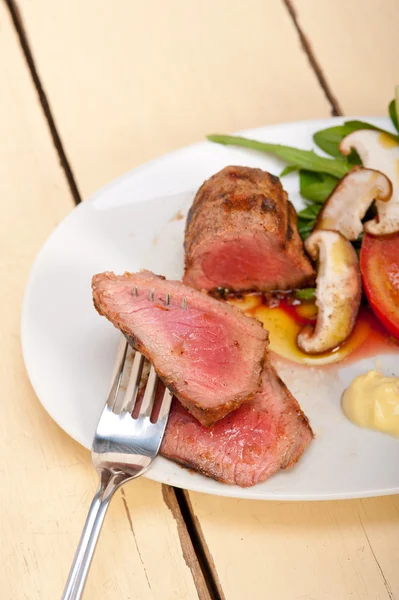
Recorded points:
(241,235)
(210,354)
(267,434)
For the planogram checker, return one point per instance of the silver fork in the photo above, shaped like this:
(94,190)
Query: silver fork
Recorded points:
(123,448)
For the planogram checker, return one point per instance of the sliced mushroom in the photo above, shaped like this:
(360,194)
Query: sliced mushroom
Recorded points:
(338,291)
(345,208)
(378,151)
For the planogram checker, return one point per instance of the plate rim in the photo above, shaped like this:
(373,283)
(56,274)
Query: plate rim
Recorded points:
(227,490)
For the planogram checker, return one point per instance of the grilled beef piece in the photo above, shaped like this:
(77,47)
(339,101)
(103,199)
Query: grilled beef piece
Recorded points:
(241,235)
(247,446)
(209,354)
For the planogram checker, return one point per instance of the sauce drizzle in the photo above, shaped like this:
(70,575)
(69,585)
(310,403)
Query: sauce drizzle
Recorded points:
(284,317)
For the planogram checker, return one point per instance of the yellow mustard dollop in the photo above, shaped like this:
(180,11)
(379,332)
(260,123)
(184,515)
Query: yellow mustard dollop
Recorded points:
(372,401)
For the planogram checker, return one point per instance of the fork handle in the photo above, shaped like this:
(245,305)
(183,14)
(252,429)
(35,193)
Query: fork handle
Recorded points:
(81,563)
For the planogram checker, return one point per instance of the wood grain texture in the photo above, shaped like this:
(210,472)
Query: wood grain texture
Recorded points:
(356,45)
(329,550)
(47,479)
(130,80)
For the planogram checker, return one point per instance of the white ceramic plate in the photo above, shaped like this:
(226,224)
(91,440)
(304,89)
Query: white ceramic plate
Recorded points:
(131,224)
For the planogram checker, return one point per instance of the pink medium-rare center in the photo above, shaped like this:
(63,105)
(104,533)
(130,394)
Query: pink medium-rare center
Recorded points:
(244,261)
(241,235)
(208,353)
(198,338)
(248,445)
(232,418)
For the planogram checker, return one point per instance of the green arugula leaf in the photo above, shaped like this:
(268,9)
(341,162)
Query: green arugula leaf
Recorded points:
(393,109)
(306,219)
(392,114)
(397,106)
(318,175)
(357,243)
(310,212)
(330,138)
(289,169)
(356,125)
(305,294)
(316,187)
(303,159)
(305,227)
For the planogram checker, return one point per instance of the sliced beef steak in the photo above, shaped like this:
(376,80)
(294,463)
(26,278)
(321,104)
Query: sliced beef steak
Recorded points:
(241,234)
(209,354)
(247,446)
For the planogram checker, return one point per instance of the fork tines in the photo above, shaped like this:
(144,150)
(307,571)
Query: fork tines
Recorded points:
(125,395)
(128,382)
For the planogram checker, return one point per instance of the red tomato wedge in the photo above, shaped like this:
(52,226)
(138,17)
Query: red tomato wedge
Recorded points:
(379,265)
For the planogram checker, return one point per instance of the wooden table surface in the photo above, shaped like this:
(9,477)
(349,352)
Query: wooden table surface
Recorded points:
(93,88)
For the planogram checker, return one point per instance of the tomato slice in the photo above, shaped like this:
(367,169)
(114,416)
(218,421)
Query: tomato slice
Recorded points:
(379,265)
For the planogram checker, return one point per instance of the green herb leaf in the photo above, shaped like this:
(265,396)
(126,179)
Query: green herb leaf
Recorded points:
(306,219)
(330,138)
(356,125)
(397,106)
(310,212)
(289,169)
(305,294)
(357,243)
(316,187)
(305,227)
(303,159)
(392,114)
(394,108)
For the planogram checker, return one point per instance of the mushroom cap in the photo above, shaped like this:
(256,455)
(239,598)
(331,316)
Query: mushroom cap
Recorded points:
(378,151)
(346,206)
(338,291)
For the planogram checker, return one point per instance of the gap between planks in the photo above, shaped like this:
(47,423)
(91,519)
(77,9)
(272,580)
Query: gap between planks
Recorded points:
(194,548)
(336,110)
(23,40)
